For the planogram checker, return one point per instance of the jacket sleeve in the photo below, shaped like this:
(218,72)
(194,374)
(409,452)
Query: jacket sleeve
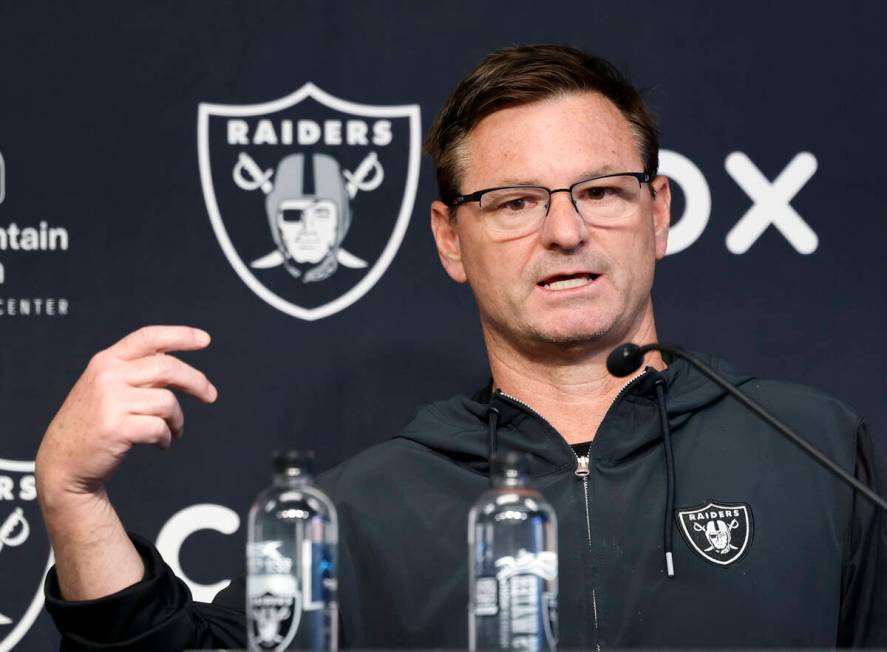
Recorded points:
(863,617)
(154,614)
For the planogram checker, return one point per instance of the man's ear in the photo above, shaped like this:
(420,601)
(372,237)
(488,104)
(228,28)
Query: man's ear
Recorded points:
(446,236)
(661,214)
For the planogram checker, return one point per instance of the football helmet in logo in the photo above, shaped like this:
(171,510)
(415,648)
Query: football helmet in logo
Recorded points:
(309,214)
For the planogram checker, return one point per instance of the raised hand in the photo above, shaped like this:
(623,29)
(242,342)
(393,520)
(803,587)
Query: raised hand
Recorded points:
(123,398)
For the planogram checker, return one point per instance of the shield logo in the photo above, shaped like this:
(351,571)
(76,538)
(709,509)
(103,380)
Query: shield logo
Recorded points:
(309,195)
(25,555)
(275,611)
(719,532)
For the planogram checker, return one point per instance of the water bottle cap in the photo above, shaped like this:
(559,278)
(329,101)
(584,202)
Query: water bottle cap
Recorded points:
(291,457)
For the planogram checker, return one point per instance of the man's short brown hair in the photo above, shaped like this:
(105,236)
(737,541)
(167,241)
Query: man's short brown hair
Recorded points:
(521,75)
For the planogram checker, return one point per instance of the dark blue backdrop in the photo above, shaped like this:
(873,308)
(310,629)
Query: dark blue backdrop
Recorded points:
(99,137)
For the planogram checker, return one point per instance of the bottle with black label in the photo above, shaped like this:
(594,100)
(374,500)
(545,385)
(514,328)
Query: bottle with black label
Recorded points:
(292,536)
(512,557)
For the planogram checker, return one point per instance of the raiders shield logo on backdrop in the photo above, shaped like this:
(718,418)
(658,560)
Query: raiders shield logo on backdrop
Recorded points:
(719,532)
(25,555)
(309,195)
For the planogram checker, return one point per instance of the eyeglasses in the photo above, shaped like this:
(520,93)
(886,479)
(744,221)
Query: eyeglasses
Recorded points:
(514,211)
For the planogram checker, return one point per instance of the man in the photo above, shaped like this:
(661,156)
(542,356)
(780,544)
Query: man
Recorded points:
(550,208)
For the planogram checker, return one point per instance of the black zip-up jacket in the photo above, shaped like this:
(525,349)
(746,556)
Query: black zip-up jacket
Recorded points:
(805,564)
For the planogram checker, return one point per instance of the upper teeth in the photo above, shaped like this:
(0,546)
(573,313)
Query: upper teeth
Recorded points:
(567,283)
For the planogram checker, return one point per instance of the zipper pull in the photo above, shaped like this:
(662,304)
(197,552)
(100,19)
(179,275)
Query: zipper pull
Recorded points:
(582,470)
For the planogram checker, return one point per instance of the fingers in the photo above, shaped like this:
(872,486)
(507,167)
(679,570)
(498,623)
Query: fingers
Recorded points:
(159,339)
(144,429)
(160,403)
(165,370)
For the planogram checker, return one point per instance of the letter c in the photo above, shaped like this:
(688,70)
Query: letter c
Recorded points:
(183,524)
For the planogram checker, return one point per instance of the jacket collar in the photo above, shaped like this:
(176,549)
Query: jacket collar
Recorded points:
(460,424)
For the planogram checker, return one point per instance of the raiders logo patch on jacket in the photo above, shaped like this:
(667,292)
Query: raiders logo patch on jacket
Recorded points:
(720,533)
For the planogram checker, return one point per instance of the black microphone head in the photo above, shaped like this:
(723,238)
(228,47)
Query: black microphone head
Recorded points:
(625,359)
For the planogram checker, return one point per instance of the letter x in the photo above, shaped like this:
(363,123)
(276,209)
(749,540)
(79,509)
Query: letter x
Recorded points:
(771,203)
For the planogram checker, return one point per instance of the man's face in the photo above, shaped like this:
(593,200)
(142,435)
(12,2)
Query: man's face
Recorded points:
(568,282)
(307,228)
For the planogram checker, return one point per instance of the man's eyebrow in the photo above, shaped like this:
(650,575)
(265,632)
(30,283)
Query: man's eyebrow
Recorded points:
(518,182)
(598,171)
(603,170)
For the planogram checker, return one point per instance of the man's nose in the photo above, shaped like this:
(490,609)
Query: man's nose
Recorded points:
(563,228)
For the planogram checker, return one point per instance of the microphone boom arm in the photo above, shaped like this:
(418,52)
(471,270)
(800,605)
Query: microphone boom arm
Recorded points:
(768,418)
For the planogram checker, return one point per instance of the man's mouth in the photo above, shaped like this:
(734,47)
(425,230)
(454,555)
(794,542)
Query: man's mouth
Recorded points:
(567,281)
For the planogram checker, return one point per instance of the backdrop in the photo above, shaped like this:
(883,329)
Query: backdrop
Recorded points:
(145,146)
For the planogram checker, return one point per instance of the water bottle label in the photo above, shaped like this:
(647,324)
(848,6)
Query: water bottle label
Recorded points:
(273,597)
(525,608)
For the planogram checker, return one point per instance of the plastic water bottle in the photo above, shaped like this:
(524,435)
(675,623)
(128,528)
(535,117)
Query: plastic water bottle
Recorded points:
(291,562)
(512,557)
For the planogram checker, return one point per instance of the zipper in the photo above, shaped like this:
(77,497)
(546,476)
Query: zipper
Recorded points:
(583,470)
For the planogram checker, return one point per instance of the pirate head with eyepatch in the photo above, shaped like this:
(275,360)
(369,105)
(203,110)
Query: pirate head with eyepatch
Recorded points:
(309,214)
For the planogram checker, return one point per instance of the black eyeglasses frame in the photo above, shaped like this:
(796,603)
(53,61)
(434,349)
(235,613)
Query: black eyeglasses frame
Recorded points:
(642,178)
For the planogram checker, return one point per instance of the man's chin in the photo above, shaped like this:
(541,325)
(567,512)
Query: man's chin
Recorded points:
(571,327)
(579,338)
(567,335)
(570,338)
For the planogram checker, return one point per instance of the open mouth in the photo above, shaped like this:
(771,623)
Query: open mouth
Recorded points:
(567,281)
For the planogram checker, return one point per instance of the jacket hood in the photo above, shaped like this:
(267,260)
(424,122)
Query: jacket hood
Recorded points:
(458,427)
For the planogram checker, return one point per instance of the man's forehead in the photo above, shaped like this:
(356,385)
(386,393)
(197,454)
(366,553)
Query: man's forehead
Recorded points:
(557,140)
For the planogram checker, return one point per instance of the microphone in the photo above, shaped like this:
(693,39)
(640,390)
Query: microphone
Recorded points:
(627,358)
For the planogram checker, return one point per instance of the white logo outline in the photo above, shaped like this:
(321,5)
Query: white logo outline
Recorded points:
(24,624)
(309,90)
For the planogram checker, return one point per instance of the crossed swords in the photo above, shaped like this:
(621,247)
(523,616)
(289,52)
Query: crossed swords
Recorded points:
(249,176)
(17,517)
